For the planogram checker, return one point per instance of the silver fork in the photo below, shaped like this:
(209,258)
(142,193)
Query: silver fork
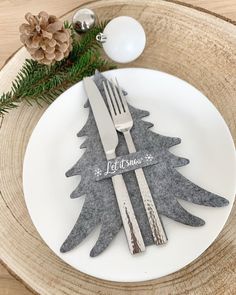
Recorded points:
(123,123)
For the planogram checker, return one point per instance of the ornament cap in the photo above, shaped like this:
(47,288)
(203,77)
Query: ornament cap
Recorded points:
(101,38)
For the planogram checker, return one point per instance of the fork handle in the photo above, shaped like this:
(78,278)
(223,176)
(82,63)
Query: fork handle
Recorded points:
(154,220)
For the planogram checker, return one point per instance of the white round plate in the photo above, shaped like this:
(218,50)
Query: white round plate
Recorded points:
(177,109)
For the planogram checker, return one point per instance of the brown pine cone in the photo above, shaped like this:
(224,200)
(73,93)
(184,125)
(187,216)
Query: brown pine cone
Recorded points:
(45,38)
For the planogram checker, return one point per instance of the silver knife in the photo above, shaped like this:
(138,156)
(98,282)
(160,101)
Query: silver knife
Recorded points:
(109,140)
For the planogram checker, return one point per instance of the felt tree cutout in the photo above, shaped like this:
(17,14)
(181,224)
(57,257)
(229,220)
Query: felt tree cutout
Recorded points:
(165,182)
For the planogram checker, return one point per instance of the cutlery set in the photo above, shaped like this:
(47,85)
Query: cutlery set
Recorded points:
(118,118)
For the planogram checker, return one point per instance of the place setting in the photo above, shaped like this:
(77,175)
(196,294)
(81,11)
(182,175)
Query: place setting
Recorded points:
(129,199)
(130,173)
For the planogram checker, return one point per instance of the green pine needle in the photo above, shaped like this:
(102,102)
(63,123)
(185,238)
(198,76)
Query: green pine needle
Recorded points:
(37,83)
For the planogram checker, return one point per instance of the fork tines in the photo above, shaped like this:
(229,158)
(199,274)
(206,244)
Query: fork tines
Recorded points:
(115,98)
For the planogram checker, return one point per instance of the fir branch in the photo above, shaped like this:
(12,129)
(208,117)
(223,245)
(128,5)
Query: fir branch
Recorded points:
(37,83)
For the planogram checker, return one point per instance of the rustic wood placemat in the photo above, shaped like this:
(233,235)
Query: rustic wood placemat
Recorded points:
(195,46)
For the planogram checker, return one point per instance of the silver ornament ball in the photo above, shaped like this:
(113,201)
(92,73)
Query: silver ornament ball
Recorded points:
(83,20)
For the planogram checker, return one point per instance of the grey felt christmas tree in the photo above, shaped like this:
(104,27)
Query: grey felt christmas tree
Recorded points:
(165,182)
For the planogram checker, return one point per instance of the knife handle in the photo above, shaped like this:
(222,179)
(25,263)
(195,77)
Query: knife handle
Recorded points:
(131,227)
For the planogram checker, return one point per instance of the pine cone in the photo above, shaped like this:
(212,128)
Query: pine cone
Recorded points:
(45,38)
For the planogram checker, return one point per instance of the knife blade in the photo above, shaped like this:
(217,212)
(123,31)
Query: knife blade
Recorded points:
(102,117)
(109,139)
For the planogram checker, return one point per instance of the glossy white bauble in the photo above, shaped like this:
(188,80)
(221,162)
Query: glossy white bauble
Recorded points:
(125,39)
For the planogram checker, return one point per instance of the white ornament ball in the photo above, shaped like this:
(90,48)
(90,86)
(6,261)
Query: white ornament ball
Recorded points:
(125,39)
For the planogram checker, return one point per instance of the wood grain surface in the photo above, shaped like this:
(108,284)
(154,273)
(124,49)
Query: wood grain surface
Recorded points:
(214,271)
(12,12)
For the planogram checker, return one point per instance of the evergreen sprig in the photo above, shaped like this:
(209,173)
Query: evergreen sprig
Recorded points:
(37,83)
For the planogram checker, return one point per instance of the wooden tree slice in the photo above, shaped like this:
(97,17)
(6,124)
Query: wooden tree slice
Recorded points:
(193,45)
